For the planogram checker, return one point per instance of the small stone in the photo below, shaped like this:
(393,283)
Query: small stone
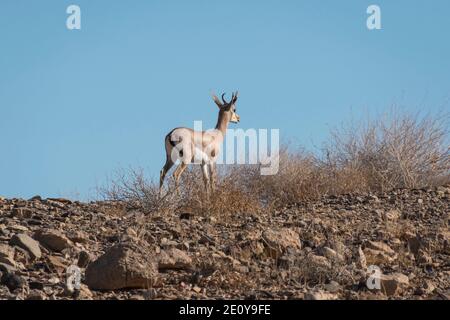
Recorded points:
(424,258)
(333,287)
(84,258)
(361,259)
(84,293)
(13,281)
(332,255)
(36,285)
(380,246)
(36,295)
(19,228)
(277,241)
(79,237)
(22,213)
(376,257)
(197,289)
(427,288)
(392,284)
(320,295)
(27,243)
(413,241)
(319,261)
(393,215)
(6,251)
(174,258)
(58,264)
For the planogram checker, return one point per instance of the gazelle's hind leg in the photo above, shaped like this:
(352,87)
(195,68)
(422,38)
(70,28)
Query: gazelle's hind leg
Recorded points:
(212,178)
(169,164)
(177,175)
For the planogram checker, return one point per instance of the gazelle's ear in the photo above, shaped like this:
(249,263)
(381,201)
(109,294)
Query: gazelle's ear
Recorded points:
(217,101)
(235,97)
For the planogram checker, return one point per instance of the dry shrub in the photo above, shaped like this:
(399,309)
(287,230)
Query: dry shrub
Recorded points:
(133,188)
(396,150)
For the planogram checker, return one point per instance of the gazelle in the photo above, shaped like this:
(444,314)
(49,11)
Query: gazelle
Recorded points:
(199,147)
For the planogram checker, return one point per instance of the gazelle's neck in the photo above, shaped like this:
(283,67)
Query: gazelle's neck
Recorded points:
(222,122)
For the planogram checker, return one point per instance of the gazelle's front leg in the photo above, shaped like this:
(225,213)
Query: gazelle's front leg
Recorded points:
(212,172)
(205,176)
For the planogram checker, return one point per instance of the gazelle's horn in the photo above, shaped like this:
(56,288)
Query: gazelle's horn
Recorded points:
(223,99)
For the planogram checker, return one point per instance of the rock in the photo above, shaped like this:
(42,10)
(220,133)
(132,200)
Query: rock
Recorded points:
(393,215)
(333,287)
(174,259)
(361,259)
(22,213)
(37,285)
(36,295)
(428,287)
(79,237)
(52,239)
(84,258)
(27,243)
(197,289)
(59,200)
(380,246)
(318,261)
(13,281)
(376,257)
(6,252)
(123,266)
(277,241)
(57,264)
(413,241)
(18,227)
(7,268)
(332,255)
(8,261)
(84,293)
(424,258)
(393,284)
(320,295)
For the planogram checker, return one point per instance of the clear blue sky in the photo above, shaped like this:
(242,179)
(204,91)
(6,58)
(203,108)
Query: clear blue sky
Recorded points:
(76,105)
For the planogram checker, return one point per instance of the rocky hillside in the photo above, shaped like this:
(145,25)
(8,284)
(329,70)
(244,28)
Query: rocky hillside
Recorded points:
(314,250)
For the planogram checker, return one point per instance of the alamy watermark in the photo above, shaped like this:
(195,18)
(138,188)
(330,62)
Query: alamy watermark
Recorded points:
(73,278)
(250,146)
(73,21)
(374,280)
(374,20)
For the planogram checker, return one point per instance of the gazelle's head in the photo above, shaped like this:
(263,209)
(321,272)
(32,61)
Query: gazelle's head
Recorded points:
(228,108)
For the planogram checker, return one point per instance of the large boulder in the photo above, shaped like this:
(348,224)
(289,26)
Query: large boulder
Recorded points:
(124,266)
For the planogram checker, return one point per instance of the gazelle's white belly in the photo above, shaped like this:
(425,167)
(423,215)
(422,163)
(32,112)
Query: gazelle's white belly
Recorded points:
(205,155)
